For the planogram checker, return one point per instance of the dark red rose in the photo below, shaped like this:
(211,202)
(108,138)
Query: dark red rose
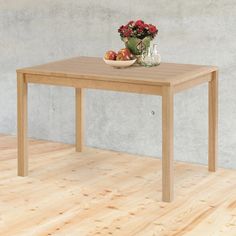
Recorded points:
(140,30)
(131,22)
(127,32)
(152,29)
(121,29)
(124,29)
(139,23)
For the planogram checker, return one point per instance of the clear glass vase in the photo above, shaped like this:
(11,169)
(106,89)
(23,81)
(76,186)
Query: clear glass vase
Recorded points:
(151,57)
(156,57)
(146,58)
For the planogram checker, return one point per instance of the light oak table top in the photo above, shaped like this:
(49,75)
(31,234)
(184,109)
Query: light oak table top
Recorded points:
(95,68)
(90,72)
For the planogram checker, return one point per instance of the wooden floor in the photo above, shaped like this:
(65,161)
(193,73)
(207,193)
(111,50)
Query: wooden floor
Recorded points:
(101,193)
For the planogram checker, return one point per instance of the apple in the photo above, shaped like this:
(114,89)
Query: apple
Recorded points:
(110,55)
(120,57)
(124,54)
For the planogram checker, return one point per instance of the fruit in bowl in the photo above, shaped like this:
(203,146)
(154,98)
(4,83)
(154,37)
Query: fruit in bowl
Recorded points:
(110,55)
(124,55)
(123,58)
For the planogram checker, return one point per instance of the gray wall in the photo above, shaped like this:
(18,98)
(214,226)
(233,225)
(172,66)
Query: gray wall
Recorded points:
(201,32)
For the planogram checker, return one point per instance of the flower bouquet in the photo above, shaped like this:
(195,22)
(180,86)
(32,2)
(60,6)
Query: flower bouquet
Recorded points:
(137,35)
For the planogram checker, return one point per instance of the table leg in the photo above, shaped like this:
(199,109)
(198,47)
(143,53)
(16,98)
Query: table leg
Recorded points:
(79,118)
(213,122)
(22,125)
(167,144)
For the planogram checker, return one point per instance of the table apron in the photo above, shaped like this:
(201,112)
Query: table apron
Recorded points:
(94,84)
(192,83)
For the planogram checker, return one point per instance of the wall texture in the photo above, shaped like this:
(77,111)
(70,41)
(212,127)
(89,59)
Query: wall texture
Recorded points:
(201,32)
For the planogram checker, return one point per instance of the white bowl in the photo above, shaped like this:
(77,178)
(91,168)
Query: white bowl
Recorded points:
(119,64)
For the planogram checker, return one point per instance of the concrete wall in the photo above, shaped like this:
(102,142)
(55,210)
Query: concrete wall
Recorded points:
(35,32)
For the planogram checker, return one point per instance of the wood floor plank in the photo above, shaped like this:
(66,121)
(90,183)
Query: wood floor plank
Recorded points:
(105,193)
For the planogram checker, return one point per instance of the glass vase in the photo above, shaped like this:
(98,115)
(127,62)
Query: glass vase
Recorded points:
(150,56)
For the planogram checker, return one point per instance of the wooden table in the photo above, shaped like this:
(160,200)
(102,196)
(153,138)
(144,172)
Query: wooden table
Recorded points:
(88,72)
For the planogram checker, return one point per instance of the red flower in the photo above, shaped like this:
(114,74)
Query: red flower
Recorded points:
(121,29)
(127,32)
(152,29)
(139,23)
(131,22)
(140,30)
